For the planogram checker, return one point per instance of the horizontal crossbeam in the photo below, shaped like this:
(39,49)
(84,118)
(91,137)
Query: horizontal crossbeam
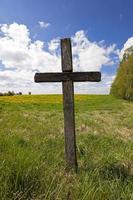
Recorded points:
(67,76)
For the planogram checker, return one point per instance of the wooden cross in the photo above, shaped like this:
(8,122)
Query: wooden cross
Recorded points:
(67,77)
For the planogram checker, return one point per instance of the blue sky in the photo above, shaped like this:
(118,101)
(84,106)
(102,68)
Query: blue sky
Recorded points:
(108,20)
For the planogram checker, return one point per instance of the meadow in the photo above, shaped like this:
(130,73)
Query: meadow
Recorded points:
(32,160)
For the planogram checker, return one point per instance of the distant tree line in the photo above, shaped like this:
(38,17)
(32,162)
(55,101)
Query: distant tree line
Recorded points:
(122,86)
(12,93)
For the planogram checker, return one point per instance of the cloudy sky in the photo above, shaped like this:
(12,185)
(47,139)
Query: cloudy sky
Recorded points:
(30,33)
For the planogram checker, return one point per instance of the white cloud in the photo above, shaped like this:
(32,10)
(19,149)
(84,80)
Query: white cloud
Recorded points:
(90,55)
(127,44)
(53,45)
(21,58)
(43,24)
(17,32)
(23,53)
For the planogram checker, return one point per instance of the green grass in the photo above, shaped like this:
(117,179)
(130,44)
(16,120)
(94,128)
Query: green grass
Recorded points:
(32,164)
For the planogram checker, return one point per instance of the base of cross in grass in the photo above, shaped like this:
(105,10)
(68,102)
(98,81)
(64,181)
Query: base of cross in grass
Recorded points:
(67,77)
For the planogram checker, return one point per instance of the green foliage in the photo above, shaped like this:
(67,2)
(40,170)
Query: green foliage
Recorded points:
(9,93)
(122,86)
(32,161)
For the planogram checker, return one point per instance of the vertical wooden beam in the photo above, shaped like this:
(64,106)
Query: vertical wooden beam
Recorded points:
(68,103)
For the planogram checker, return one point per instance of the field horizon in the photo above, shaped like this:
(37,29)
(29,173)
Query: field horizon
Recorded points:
(32,160)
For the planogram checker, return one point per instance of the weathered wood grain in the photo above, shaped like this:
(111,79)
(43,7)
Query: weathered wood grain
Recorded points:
(68,104)
(66,76)
(66,55)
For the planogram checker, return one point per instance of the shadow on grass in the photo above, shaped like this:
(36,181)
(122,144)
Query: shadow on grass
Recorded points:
(109,171)
(115,171)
